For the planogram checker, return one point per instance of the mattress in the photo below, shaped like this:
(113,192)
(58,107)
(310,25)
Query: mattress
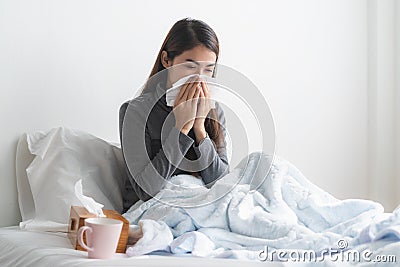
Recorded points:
(20,248)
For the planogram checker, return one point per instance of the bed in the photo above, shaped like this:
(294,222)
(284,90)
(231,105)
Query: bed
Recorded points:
(49,163)
(31,248)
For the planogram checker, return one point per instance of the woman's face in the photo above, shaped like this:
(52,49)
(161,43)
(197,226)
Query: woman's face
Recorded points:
(198,60)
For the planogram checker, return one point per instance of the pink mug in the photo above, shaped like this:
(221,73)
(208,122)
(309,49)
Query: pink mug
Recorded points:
(102,236)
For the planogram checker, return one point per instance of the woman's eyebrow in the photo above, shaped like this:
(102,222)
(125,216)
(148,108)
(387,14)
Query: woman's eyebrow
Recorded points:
(198,64)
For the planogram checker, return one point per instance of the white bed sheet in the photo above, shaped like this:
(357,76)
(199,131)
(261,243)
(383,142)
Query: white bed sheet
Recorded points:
(20,248)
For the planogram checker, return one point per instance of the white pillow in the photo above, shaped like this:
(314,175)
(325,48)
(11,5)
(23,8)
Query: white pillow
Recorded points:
(62,156)
(22,161)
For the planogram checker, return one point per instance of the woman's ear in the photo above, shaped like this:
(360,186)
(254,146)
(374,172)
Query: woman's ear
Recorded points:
(165,61)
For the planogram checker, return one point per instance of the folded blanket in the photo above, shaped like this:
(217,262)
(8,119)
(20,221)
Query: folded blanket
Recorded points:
(257,204)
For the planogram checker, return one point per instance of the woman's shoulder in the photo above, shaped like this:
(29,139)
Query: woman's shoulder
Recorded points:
(144,100)
(140,105)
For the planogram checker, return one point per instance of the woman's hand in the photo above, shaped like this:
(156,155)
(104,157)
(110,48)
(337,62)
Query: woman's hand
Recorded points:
(185,106)
(203,108)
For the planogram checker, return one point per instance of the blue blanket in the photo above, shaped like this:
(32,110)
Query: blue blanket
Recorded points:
(256,205)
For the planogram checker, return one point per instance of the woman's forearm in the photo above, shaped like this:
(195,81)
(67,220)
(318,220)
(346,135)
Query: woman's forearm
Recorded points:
(200,134)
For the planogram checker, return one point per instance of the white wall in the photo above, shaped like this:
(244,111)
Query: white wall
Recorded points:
(397,97)
(311,64)
(381,102)
(72,63)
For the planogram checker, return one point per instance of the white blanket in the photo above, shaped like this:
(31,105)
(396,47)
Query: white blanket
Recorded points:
(243,212)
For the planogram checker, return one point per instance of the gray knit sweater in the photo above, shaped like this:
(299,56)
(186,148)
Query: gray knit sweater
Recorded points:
(156,150)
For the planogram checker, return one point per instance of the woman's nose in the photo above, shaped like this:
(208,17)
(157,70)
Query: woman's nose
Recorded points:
(200,71)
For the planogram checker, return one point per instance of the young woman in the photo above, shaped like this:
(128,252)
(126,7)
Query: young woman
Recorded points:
(159,141)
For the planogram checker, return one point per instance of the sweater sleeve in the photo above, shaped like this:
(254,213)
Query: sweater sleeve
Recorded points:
(148,176)
(213,156)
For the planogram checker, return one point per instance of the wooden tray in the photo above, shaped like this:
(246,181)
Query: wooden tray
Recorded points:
(77,219)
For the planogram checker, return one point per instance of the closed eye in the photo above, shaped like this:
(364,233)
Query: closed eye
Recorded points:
(190,66)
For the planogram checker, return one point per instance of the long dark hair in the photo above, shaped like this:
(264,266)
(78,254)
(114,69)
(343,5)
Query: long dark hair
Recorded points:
(184,35)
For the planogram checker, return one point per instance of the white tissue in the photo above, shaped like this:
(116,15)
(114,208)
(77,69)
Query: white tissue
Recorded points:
(89,203)
(212,83)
